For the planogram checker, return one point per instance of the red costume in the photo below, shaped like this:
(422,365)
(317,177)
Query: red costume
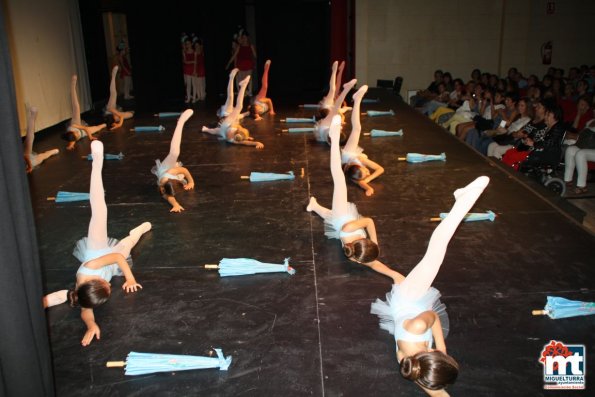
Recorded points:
(244,60)
(189,67)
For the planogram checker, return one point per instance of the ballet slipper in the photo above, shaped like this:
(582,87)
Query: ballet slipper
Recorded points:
(311,204)
(479,183)
(359,93)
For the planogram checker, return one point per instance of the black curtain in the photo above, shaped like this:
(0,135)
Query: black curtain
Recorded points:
(25,362)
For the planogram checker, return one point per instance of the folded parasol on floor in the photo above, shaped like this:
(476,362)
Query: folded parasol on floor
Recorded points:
(148,128)
(310,106)
(107,156)
(148,363)
(420,158)
(246,266)
(381,133)
(376,113)
(370,100)
(299,120)
(268,176)
(558,307)
(299,129)
(64,197)
(471,217)
(165,115)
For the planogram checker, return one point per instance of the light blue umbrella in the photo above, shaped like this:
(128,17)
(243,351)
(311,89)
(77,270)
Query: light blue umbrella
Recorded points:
(299,120)
(65,197)
(148,128)
(375,113)
(149,363)
(420,158)
(108,156)
(246,266)
(268,176)
(165,115)
(371,100)
(474,216)
(382,133)
(299,129)
(310,106)
(557,307)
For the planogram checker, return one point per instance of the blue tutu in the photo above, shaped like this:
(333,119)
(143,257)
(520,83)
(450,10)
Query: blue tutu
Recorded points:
(397,308)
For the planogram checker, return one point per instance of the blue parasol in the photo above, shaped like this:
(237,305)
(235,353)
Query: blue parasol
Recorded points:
(472,216)
(299,120)
(299,129)
(148,128)
(107,156)
(165,115)
(65,197)
(382,133)
(268,176)
(371,100)
(148,363)
(420,158)
(246,266)
(557,307)
(310,106)
(375,113)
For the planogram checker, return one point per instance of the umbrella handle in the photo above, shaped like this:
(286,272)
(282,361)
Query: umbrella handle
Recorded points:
(437,219)
(114,364)
(51,199)
(401,158)
(539,312)
(210,266)
(245,177)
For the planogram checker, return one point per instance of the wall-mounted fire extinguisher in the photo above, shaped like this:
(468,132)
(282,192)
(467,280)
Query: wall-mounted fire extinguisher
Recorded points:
(546,53)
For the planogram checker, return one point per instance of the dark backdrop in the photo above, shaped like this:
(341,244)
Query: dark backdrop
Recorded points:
(296,41)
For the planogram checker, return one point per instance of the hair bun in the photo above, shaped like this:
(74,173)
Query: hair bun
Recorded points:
(348,250)
(72,298)
(410,368)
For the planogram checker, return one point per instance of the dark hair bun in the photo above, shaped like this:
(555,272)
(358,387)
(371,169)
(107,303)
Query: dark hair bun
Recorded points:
(348,250)
(410,368)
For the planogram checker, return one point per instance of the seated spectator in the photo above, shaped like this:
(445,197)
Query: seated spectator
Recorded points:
(429,93)
(580,114)
(577,157)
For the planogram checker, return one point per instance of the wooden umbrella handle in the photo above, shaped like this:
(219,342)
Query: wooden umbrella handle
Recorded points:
(539,312)
(114,364)
(245,177)
(437,219)
(51,199)
(210,266)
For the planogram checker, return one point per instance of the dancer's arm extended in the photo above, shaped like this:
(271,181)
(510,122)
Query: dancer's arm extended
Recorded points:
(387,271)
(362,223)
(184,171)
(130,285)
(93,330)
(246,142)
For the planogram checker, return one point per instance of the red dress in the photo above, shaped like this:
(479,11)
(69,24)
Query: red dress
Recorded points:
(189,67)
(244,60)
(200,65)
(124,67)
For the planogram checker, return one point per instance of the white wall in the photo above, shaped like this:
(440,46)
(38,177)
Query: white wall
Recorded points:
(414,38)
(46,49)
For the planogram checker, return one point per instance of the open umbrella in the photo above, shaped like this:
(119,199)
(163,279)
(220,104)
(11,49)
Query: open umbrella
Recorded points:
(298,120)
(65,197)
(268,176)
(420,158)
(381,133)
(371,100)
(471,217)
(310,106)
(165,115)
(106,156)
(148,128)
(299,129)
(245,266)
(557,307)
(375,113)
(148,363)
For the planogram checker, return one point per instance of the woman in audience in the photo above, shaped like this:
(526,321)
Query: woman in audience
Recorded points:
(577,158)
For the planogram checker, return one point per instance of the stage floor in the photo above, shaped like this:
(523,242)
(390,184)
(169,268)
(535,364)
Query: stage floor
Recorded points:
(311,333)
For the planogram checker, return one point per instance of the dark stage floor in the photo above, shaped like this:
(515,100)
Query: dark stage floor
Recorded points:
(311,333)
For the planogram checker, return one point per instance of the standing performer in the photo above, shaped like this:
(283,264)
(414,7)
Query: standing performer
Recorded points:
(244,58)
(189,66)
(102,257)
(171,176)
(33,159)
(198,79)
(261,104)
(125,69)
(413,312)
(355,163)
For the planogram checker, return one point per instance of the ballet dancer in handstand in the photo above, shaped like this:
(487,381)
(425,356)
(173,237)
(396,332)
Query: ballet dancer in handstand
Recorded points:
(356,233)
(260,103)
(230,128)
(77,130)
(171,176)
(321,128)
(413,312)
(355,163)
(33,159)
(113,112)
(102,257)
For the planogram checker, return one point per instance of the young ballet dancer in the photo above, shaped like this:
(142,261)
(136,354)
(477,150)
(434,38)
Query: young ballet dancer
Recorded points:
(230,128)
(33,159)
(321,128)
(198,78)
(357,233)
(413,312)
(226,109)
(243,58)
(328,101)
(102,257)
(114,114)
(125,69)
(355,163)
(189,67)
(77,130)
(260,103)
(171,176)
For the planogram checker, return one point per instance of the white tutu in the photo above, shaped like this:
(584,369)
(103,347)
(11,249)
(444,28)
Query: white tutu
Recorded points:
(352,157)
(160,169)
(321,132)
(398,308)
(84,254)
(332,227)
